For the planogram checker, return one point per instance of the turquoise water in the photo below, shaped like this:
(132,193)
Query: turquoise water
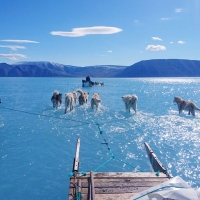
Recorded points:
(38,143)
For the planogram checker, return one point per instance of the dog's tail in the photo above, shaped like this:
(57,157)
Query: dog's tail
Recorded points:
(196,108)
(80,91)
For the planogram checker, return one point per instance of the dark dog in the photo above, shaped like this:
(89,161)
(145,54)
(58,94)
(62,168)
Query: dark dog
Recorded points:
(56,99)
(102,84)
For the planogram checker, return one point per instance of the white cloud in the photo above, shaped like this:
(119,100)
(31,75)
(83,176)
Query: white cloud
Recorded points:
(156,38)
(136,21)
(165,19)
(181,42)
(13,56)
(155,48)
(20,41)
(178,10)
(109,51)
(171,42)
(13,47)
(78,32)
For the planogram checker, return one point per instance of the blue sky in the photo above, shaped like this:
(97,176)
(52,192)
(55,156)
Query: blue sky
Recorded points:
(99,32)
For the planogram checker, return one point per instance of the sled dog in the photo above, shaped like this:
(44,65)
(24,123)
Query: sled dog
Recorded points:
(130,102)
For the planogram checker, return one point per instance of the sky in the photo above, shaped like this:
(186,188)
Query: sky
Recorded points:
(99,32)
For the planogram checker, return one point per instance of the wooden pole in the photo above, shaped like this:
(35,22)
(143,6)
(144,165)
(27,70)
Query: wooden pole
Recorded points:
(92,186)
(76,159)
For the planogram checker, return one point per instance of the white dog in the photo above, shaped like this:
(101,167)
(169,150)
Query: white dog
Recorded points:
(130,101)
(69,101)
(83,98)
(95,101)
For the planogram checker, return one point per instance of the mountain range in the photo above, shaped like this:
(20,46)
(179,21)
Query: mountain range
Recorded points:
(145,68)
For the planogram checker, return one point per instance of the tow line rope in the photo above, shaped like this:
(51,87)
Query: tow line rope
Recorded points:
(82,123)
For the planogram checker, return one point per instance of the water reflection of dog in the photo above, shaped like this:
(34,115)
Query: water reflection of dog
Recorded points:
(56,99)
(185,105)
(130,101)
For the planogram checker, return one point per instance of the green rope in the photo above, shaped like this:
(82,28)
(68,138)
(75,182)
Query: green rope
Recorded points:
(60,118)
(79,196)
(48,116)
(158,173)
(103,164)
(110,151)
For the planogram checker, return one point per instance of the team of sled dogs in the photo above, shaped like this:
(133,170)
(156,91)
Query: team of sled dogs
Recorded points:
(130,101)
(71,98)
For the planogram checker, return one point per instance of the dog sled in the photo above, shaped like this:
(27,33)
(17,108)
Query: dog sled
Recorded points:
(128,185)
(91,83)
(86,83)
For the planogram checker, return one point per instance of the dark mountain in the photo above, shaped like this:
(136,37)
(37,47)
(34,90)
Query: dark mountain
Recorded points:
(146,68)
(5,69)
(48,69)
(39,69)
(163,68)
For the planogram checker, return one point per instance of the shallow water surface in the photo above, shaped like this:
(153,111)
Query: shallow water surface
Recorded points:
(38,142)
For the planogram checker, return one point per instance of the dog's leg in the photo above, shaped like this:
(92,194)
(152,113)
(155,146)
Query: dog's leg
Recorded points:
(65,107)
(92,104)
(71,106)
(134,107)
(126,106)
(193,112)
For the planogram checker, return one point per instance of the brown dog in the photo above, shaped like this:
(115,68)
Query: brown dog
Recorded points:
(185,105)
(95,100)
(83,97)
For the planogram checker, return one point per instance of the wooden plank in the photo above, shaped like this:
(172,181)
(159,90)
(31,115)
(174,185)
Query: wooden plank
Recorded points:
(117,190)
(124,196)
(129,180)
(125,180)
(88,188)
(72,189)
(123,175)
(113,184)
